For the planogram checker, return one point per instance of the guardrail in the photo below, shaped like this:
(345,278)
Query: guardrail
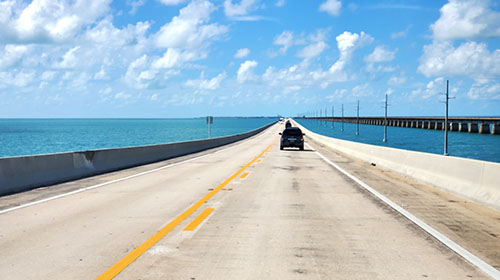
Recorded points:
(23,173)
(471,179)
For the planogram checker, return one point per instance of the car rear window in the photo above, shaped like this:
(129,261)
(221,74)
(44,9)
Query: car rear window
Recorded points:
(292,132)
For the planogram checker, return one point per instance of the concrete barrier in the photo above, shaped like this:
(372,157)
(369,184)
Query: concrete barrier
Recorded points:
(470,179)
(19,174)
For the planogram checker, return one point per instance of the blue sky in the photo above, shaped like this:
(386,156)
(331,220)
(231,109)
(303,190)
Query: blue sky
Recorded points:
(187,58)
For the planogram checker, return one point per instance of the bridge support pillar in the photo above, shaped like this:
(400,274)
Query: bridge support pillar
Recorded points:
(463,127)
(439,126)
(496,128)
(484,128)
(454,126)
(432,125)
(473,128)
(425,125)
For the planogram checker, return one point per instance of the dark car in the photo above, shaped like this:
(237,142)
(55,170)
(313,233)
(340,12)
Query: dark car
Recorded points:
(292,137)
(288,124)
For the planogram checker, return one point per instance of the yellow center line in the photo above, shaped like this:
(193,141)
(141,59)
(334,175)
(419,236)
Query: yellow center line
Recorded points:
(192,226)
(244,175)
(137,252)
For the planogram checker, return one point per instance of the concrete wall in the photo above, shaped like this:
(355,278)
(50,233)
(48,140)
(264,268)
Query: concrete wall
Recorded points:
(19,174)
(474,180)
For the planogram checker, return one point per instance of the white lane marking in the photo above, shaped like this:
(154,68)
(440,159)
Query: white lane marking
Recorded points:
(116,180)
(479,263)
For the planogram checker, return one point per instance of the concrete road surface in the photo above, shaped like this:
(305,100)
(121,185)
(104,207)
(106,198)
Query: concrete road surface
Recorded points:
(265,214)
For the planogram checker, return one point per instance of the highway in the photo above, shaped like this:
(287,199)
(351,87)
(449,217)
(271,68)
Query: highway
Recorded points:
(243,211)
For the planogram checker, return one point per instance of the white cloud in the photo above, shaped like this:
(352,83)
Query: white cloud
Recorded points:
(465,19)
(137,74)
(11,55)
(285,40)
(469,59)
(48,21)
(105,35)
(280,3)
(362,90)
(380,54)
(69,59)
(490,91)
(245,72)
(101,75)
(433,88)
(16,78)
(106,91)
(172,2)
(123,95)
(293,88)
(204,84)
(293,74)
(397,80)
(48,75)
(400,34)
(242,53)
(347,43)
(175,58)
(337,94)
(313,50)
(189,30)
(331,7)
(135,5)
(241,9)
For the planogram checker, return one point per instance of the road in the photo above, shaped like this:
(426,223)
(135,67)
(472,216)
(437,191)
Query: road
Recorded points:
(270,214)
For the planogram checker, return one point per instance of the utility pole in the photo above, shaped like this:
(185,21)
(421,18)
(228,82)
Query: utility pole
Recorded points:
(326,116)
(357,122)
(446,121)
(385,120)
(342,117)
(320,115)
(333,117)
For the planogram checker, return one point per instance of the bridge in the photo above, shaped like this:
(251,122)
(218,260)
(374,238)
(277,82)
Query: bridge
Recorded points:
(248,210)
(483,125)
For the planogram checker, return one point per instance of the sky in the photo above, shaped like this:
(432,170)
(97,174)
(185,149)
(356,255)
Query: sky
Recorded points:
(194,58)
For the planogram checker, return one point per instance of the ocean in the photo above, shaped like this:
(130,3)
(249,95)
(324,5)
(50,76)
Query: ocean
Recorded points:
(460,144)
(20,137)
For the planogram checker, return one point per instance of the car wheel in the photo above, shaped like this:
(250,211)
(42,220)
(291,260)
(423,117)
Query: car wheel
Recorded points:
(301,148)
(281,147)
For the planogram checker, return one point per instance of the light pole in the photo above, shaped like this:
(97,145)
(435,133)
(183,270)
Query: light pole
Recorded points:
(357,121)
(333,117)
(385,120)
(342,117)
(446,121)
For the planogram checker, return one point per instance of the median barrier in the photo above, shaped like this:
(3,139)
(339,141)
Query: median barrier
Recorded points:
(470,179)
(23,173)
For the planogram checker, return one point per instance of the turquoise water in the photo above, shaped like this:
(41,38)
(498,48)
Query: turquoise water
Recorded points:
(20,137)
(460,144)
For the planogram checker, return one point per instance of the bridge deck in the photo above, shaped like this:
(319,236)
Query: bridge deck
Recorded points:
(276,215)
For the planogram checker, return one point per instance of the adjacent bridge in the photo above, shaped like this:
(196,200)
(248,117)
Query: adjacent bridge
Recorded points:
(483,125)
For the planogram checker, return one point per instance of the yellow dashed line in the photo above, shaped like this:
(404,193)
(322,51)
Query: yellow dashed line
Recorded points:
(192,226)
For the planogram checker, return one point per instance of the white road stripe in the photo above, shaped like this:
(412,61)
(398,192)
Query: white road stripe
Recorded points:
(114,181)
(479,263)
